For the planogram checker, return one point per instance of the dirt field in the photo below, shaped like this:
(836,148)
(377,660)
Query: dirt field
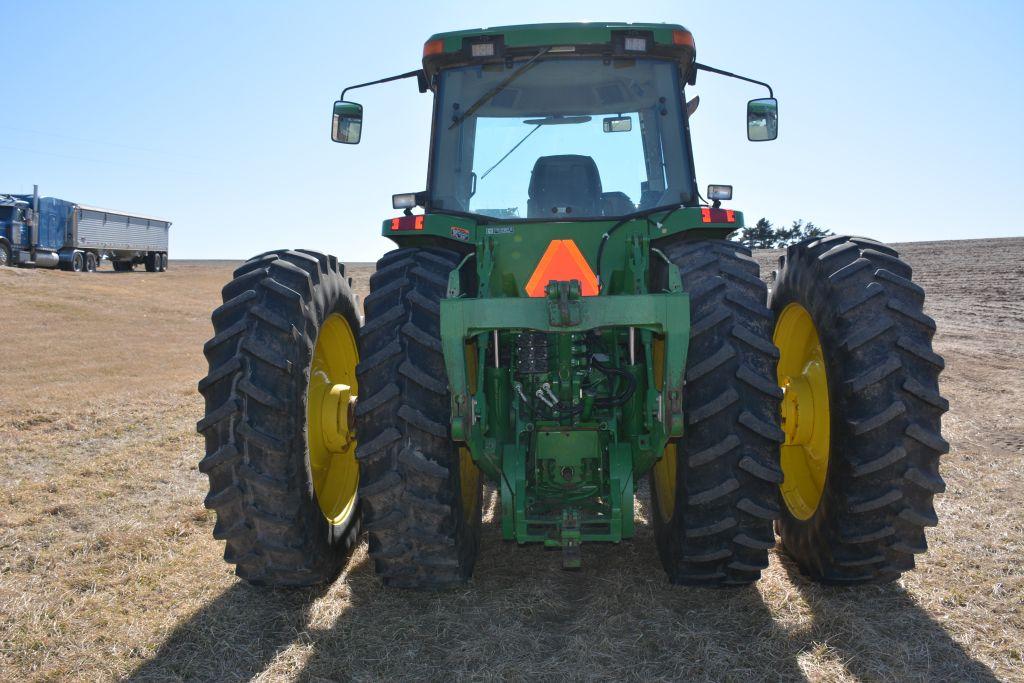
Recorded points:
(108,568)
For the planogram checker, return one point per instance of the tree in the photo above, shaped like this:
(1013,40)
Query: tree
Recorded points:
(761,236)
(801,231)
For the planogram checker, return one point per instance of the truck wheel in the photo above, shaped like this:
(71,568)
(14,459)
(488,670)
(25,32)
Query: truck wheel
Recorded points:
(715,490)
(163,263)
(90,262)
(280,450)
(861,413)
(77,262)
(421,492)
(151,262)
(5,255)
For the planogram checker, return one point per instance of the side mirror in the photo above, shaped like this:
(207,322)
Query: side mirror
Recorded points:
(347,124)
(763,119)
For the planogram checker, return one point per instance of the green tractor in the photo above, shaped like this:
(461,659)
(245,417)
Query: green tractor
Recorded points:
(565,317)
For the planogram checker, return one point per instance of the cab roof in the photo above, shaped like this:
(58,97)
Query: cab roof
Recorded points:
(573,33)
(503,43)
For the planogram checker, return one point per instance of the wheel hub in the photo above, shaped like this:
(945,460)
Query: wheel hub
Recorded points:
(800,402)
(330,424)
(337,412)
(805,411)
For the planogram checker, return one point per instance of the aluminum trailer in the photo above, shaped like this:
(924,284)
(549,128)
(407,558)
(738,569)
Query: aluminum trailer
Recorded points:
(47,232)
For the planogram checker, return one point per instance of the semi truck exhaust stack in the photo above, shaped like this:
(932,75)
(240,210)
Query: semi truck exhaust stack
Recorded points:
(34,228)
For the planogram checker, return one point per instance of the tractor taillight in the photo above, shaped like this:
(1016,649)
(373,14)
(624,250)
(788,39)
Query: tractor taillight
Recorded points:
(433,47)
(709,215)
(407,223)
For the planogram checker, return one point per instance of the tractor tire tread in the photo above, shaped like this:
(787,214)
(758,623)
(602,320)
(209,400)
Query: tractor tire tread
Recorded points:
(883,374)
(273,529)
(721,531)
(418,535)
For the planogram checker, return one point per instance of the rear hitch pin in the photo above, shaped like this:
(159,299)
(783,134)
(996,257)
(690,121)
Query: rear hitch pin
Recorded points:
(496,355)
(632,347)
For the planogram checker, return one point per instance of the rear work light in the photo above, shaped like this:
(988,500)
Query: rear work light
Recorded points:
(710,215)
(433,47)
(632,44)
(482,49)
(407,223)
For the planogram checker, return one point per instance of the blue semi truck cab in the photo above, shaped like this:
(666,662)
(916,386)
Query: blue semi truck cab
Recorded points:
(15,227)
(46,232)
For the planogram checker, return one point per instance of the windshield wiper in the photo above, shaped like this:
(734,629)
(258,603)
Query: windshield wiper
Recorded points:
(509,153)
(489,95)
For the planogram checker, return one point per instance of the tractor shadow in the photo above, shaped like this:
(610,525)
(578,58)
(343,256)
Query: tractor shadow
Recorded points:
(233,637)
(879,632)
(522,617)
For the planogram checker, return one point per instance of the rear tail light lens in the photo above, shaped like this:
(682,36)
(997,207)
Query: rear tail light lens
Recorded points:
(407,223)
(709,215)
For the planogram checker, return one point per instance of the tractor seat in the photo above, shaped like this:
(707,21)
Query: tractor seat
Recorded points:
(616,204)
(564,186)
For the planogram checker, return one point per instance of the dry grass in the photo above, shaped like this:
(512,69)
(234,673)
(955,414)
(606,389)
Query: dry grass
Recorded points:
(108,568)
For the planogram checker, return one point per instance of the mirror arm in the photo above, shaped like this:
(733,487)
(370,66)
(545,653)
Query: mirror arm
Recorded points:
(711,69)
(421,77)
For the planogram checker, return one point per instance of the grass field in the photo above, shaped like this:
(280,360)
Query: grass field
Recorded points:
(108,568)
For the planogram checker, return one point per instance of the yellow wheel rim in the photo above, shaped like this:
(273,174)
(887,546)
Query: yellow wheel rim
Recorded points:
(330,401)
(469,478)
(806,418)
(663,474)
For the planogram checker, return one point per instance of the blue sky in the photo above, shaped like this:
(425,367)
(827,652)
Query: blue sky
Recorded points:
(898,120)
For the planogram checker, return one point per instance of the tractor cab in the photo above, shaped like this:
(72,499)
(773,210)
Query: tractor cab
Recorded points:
(559,122)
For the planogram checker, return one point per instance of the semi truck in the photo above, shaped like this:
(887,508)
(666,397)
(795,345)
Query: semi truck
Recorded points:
(46,232)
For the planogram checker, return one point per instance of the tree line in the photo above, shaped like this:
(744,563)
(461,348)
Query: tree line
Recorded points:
(764,235)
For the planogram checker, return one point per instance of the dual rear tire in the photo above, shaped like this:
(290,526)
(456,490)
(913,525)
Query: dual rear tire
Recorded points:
(284,366)
(851,475)
(155,262)
(82,262)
